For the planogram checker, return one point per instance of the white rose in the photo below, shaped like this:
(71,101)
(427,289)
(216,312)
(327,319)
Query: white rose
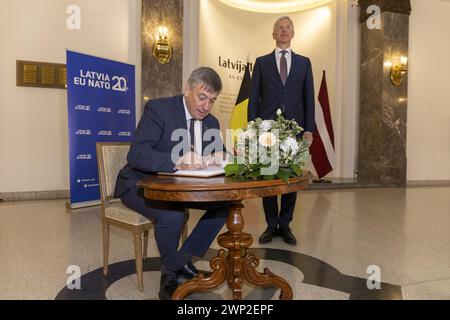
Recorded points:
(266,125)
(251,134)
(247,134)
(267,139)
(290,144)
(241,135)
(279,112)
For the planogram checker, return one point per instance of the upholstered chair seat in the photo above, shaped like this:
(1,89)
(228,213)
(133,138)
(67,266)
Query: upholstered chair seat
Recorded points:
(119,212)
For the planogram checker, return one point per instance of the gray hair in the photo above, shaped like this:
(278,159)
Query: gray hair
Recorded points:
(283,18)
(206,76)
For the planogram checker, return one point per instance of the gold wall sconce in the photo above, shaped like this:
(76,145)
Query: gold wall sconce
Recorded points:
(397,71)
(162,50)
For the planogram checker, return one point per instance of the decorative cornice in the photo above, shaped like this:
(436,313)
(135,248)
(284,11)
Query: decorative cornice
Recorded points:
(396,6)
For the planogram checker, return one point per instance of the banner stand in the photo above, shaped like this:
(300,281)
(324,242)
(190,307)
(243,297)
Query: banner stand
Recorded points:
(81,205)
(101,108)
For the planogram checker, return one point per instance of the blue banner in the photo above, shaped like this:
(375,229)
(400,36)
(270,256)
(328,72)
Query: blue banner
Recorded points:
(101,108)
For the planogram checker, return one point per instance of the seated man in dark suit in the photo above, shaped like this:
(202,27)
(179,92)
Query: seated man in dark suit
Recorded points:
(154,149)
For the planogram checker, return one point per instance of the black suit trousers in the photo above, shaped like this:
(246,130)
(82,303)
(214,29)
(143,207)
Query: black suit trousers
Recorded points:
(283,219)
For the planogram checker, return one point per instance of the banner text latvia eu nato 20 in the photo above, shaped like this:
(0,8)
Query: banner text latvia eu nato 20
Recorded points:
(101,108)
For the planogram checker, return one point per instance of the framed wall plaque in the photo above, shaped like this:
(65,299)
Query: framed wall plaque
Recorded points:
(41,74)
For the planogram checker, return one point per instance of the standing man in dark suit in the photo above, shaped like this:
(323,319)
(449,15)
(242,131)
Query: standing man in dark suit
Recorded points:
(282,80)
(156,148)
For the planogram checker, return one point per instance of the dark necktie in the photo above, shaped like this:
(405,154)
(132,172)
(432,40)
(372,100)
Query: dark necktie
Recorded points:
(283,67)
(192,133)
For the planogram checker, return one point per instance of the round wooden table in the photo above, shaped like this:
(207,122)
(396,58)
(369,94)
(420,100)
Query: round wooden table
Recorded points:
(238,264)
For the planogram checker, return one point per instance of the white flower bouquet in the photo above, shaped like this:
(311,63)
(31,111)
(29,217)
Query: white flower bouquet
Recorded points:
(269,149)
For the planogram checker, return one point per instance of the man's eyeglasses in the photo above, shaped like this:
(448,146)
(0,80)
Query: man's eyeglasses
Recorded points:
(288,28)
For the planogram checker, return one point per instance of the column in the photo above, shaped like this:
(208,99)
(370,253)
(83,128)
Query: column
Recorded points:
(161,80)
(383,105)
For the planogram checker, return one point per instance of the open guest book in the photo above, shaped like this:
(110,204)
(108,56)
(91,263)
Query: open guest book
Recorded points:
(203,173)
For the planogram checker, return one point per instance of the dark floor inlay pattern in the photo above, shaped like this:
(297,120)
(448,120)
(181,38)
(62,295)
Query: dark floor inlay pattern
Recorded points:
(316,272)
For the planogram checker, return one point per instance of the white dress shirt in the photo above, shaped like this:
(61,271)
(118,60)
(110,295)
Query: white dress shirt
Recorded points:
(197,129)
(288,57)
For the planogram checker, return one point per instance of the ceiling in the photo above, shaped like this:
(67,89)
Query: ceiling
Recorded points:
(275,6)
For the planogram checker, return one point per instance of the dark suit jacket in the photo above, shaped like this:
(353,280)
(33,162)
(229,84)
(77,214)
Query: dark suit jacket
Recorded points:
(150,152)
(296,98)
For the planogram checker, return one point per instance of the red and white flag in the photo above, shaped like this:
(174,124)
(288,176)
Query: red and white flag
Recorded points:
(322,148)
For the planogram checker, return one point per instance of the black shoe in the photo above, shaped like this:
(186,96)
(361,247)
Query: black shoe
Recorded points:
(268,235)
(168,285)
(286,234)
(188,271)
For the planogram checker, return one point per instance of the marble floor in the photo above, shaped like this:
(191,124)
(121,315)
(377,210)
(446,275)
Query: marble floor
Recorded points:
(352,244)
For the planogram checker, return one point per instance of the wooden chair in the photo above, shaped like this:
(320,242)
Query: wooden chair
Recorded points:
(111,157)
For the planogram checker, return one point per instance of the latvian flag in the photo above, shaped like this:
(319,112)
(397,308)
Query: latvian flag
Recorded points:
(322,148)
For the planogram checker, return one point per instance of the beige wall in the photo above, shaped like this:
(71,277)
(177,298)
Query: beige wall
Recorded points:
(33,122)
(236,34)
(428,147)
(323,34)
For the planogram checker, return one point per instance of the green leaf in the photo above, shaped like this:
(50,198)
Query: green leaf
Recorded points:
(297,170)
(255,174)
(289,171)
(269,177)
(242,170)
(231,169)
(282,174)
